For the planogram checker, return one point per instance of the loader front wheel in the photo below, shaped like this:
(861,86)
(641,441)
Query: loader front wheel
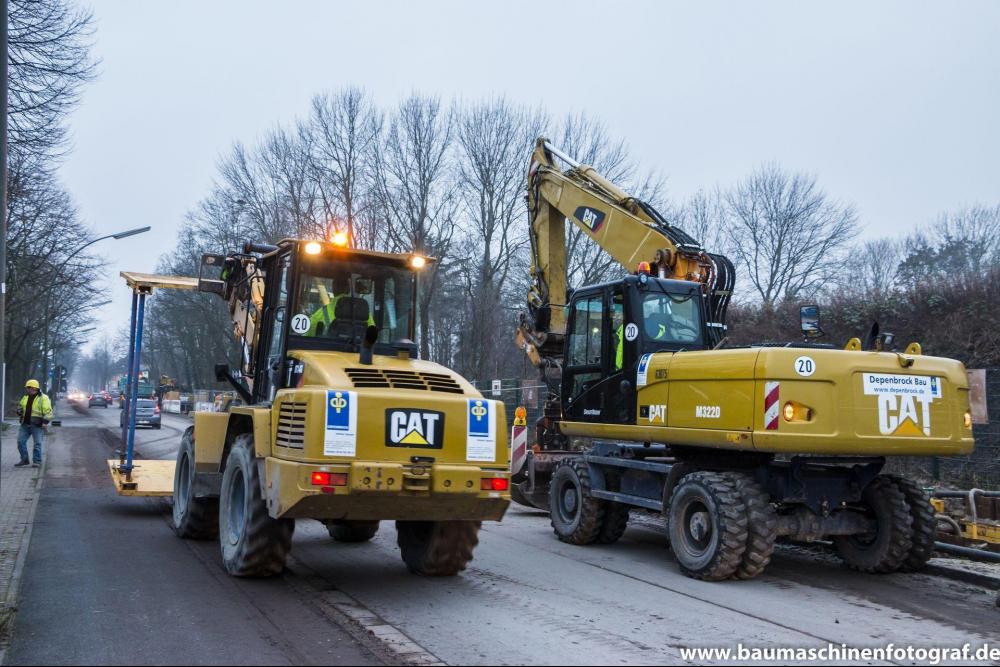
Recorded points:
(193,518)
(886,546)
(437,548)
(253,543)
(707,525)
(352,531)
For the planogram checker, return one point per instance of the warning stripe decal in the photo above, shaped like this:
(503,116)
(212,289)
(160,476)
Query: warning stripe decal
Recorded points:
(771,408)
(519,444)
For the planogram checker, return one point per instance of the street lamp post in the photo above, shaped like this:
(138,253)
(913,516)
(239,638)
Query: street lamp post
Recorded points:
(58,273)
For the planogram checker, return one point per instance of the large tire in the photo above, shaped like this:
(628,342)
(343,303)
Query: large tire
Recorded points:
(762,527)
(253,544)
(888,546)
(924,529)
(615,522)
(352,531)
(576,516)
(437,548)
(708,525)
(193,518)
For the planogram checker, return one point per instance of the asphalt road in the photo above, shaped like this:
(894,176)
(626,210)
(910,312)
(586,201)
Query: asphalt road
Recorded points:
(106,581)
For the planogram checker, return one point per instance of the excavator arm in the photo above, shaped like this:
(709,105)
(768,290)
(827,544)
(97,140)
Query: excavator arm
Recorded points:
(628,229)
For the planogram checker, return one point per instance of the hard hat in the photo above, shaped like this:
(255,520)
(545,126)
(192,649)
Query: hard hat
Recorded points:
(33,384)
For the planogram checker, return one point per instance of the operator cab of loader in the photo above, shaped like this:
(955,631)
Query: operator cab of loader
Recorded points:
(611,327)
(307,295)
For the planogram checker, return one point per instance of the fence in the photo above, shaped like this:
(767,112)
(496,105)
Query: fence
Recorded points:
(980,469)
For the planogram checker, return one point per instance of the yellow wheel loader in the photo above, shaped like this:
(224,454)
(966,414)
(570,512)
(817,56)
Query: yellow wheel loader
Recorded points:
(735,446)
(336,419)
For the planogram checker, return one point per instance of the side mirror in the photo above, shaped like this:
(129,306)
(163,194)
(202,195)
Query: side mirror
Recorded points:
(210,274)
(809,321)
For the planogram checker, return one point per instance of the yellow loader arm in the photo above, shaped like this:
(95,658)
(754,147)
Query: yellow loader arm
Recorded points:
(628,229)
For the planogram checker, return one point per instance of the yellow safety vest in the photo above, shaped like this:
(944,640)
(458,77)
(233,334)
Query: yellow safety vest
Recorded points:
(42,407)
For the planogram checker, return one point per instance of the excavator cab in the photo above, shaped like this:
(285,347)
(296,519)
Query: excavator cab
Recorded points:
(611,327)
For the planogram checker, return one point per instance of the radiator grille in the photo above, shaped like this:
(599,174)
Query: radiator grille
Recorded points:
(292,426)
(378,378)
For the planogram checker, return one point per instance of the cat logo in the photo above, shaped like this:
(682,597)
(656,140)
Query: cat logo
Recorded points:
(591,218)
(414,428)
(904,402)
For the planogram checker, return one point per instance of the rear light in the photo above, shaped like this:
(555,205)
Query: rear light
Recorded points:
(156,410)
(495,484)
(321,478)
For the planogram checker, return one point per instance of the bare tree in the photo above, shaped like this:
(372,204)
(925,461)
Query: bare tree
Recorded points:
(342,132)
(413,190)
(785,233)
(49,44)
(874,266)
(493,138)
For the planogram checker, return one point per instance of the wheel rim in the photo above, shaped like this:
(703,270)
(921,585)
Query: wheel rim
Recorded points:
(569,501)
(697,528)
(237,507)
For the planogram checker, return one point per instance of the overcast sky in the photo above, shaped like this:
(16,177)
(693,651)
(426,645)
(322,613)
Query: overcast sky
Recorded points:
(893,106)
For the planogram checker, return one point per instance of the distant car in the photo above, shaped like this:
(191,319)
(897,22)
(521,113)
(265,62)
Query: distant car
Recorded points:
(147,413)
(97,400)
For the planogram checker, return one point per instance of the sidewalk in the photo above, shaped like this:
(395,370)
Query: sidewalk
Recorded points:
(19,490)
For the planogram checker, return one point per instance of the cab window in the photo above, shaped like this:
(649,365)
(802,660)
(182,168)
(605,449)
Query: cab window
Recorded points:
(588,332)
(671,318)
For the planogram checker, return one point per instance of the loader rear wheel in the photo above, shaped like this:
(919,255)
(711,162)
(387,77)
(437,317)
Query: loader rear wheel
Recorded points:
(253,544)
(887,545)
(708,525)
(352,531)
(193,518)
(576,516)
(924,529)
(762,527)
(437,548)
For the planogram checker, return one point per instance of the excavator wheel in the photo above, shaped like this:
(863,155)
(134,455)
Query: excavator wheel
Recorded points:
(615,522)
(762,527)
(253,544)
(924,528)
(888,545)
(576,516)
(437,548)
(193,518)
(707,525)
(352,531)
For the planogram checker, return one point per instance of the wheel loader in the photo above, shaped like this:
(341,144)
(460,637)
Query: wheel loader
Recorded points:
(649,407)
(336,419)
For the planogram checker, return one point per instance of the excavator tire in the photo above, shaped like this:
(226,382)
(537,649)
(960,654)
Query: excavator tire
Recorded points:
(924,528)
(708,525)
(352,531)
(615,522)
(887,547)
(576,517)
(762,527)
(437,548)
(193,518)
(253,544)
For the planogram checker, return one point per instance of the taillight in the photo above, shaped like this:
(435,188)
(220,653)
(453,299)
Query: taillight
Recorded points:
(495,484)
(322,478)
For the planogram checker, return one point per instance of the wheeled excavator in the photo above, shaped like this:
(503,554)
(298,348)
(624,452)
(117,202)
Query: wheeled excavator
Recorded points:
(735,446)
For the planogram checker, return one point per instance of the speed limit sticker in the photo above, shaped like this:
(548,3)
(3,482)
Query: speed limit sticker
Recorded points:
(805,366)
(300,324)
(631,332)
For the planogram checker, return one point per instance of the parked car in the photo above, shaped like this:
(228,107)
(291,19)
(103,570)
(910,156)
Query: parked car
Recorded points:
(147,413)
(97,400)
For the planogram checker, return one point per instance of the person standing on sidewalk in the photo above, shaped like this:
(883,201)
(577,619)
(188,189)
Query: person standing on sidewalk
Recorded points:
(36,413)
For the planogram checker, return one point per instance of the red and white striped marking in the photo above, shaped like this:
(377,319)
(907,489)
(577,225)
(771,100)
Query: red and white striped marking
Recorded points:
(519,448)
(772,411)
